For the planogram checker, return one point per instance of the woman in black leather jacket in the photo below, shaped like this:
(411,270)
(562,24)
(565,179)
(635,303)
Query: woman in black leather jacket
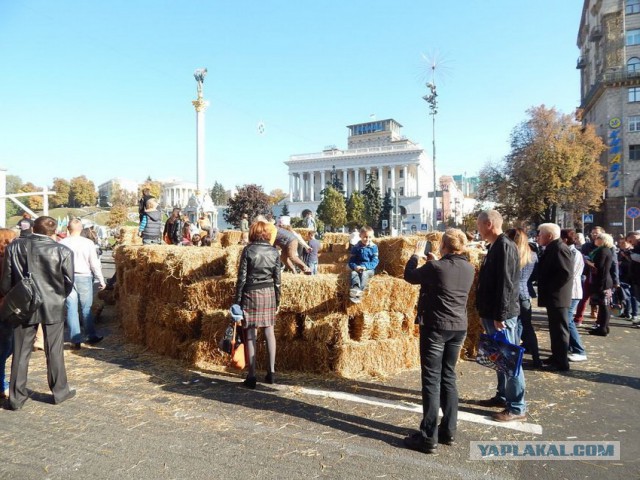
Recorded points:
(258,293)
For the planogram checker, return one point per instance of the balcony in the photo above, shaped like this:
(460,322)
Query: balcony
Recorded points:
(596,33)
(582,62)
(619,78)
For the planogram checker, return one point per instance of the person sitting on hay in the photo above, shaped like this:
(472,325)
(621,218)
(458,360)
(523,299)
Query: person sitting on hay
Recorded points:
(363,262)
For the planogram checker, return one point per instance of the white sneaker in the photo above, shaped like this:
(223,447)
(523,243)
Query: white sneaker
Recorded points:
(635,320)
(577,357)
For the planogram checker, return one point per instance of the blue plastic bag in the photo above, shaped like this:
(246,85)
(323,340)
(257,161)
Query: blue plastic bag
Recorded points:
(496,352)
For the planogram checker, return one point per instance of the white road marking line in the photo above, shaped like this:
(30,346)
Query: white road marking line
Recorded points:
(415,408)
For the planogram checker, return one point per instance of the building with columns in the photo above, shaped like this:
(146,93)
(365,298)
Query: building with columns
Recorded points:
(374,148)
(176,193)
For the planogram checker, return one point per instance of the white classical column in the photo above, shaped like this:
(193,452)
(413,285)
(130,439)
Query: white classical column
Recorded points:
(405,172)
(312,186)
(345,179)
(393,179)
(417,180)
(291,187)
(322,180)
(368,175)
(380,172)
(300,185)
(356,180)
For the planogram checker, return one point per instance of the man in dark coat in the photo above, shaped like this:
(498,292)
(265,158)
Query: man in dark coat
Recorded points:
(497,300)
(51,267)
(555,280)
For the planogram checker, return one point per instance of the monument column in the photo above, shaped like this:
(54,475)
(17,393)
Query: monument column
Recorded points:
(312,187)
(291,187)
(356,180)
(405,173)
(322,180)
(345,179)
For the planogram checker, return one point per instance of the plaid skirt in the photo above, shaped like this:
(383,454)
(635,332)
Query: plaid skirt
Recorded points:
(259,307)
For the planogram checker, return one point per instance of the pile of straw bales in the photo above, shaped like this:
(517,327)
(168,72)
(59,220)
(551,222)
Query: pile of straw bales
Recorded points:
(175,300)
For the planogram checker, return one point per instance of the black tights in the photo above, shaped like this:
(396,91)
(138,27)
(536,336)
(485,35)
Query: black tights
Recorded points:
(250,343)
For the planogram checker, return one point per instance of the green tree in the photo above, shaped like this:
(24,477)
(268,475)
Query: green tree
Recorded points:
(386,209)
(553,163)
(153,185)
(62,188)
(117,216)
(372,202)
(82,192)
(14,185)
(219,194)
(356,211)
(332,210)
(285,209)
(277,195)
(250,199)
(34,202)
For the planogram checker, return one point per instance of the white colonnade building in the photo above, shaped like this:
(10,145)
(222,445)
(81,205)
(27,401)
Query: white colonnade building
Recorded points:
(374,148)
(176,193)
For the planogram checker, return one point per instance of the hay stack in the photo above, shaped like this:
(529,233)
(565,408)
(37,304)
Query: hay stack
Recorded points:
(335,268)
(308,294)
(384,293)
(376,357)
(211,293)
(129,236)
(335,238)
(230,237)
(380,326)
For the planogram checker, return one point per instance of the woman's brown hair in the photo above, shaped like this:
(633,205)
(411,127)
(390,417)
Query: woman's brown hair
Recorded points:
(259,232)
(6,237)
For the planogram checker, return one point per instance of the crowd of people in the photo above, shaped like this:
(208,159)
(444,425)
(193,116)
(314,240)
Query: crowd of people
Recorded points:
(569,272)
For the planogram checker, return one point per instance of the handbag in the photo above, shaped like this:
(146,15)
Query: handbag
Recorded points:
(238,359)
(496,352)
(22,301)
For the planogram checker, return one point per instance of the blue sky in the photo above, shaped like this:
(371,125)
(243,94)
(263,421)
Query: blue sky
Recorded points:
(104,89)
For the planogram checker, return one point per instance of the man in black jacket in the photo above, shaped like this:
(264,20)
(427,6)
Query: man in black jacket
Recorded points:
(51,266)
(497,300)
(555,281)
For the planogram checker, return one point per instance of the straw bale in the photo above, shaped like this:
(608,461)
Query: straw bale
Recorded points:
(332,257)
(210,293)
(288,325)
(333,238)
(303,232)
(200,353)
(171,316)
(160,287)
(376,357)
(312,293)
(232,256)
(394,253)
(344,248)
(297,355)
(131,312)
(384,293)
(328,329)
(230,237)
(166,342)
(379,326)
(129,236)
(332,268)
(214,323)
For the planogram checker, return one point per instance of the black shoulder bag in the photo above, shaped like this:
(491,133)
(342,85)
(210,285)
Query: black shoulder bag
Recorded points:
(22,301)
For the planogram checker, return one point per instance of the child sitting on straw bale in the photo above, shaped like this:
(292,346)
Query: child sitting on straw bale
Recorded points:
(151,224)
(363,262)
(311,257)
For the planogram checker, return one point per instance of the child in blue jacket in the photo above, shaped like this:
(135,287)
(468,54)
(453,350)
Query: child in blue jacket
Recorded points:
(363,262)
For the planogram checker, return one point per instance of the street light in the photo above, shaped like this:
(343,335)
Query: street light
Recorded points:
(432,100)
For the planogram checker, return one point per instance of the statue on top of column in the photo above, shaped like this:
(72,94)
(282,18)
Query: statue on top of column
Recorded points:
(199,75)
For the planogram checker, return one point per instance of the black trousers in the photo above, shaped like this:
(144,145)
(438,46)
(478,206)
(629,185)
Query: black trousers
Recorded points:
(439,352)
(559,333)
(23,338)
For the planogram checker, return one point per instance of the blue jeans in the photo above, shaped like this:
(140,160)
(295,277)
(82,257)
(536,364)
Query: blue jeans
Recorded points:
(510,389)
(361,279)
(630,302)
(81,296)
(575,343)
(6,349)
(314,267)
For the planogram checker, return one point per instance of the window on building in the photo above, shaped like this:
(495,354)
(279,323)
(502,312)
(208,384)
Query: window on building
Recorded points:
(634,123)
(634,94)
(402,173)
(389,174)
(634,152)
(632,6)
(633,37)
(633,65)
(401,191)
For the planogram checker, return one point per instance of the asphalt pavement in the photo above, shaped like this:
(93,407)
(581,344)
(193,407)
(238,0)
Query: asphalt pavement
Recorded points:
(141,416)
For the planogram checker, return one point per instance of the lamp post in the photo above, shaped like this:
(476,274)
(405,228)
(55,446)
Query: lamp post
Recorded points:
(432,100)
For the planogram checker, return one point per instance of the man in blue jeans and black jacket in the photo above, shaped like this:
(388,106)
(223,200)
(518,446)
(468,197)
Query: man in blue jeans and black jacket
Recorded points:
(497,300)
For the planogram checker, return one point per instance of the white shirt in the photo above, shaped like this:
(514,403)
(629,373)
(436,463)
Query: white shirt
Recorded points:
(85,258)
(578,267)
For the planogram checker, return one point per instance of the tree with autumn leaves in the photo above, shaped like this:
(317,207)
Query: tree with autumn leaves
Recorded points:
(553,163)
